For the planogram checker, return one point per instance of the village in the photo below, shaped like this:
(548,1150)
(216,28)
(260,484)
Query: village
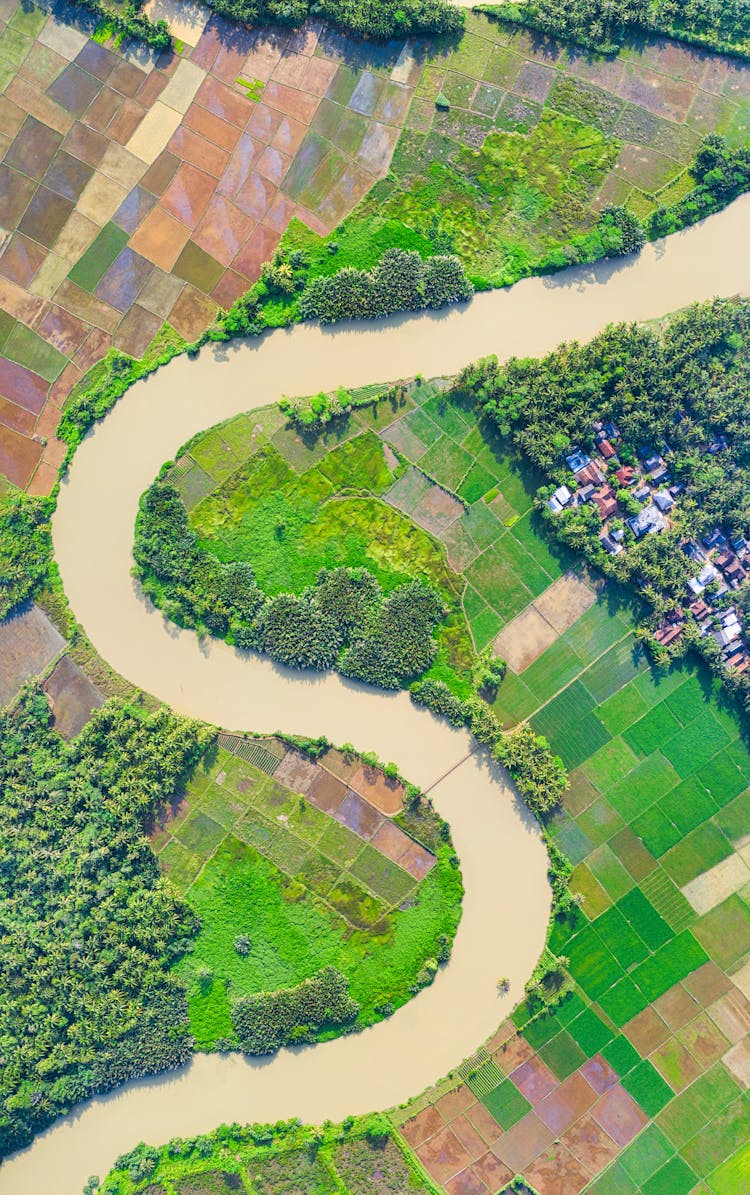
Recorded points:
(641,498)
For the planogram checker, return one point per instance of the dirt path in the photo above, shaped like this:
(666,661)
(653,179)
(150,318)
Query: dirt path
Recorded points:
(503,860)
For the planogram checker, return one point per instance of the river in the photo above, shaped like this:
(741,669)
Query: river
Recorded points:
(506,906)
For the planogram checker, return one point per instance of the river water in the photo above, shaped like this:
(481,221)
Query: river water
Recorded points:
(506,906)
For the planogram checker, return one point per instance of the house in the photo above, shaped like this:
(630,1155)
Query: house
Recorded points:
(585,494)
(693,551)
(560,499)
(715,539)
(699,609)
(738,659)
(610,544)
(660,475)
(618,535)
(677,489)
(726,638)
(707,574)
(663,500)
(610,429)
(735,573)
(667,635)
(607,450)
(625,475)
(652,461)
(724,559)
(740,545)
(647,521)
(642,493)
(577,460)
(590,474)
(606,503)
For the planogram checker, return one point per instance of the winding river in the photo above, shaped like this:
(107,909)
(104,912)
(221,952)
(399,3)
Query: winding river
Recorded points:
(503,859)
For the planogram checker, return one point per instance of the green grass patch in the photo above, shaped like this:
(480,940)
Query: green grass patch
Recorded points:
(28,349)
(647,1154)
(645,920)
(622,709)
(590,1032)
(698,852)
(637,791)
(695,744)
(658,832)
(506,1104)
(688,805)
(652,731)
(621,1055)
(724,932)
(91,267)
(592,963)
(623,1001)
(562,1055)
(668,965)
(623,940)
(674,1178)
(648,1088)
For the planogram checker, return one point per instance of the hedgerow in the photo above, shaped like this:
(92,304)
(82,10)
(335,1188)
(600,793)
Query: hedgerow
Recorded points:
(539,775)
(401,281)
(342,621)
(25,548)
(266,1021)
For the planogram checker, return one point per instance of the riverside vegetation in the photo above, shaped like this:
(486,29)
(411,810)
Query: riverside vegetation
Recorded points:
(359,1156)
(681,386)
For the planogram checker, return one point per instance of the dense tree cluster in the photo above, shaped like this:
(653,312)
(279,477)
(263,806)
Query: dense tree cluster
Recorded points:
(401,281)
(344,621)
(539,775)
(25,547)
(88,928)
(266,1021)
(604,25)
(128,21)
(365,18)
(680,389)
(721,174)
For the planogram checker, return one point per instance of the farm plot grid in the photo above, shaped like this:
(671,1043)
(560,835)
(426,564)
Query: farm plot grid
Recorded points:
(638,1080)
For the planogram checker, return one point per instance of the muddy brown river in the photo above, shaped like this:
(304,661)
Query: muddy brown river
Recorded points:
(507,902)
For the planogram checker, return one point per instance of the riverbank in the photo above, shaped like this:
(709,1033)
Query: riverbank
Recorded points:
(502,857)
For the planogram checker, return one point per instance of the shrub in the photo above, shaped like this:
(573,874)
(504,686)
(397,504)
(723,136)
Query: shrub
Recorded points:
(25,548)
(266,1021)
(401,281)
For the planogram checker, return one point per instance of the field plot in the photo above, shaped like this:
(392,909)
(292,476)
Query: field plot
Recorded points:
(270,846)
(141,189)
(638,1081)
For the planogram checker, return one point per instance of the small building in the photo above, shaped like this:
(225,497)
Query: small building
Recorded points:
(625,475)
(735,573)
(642,493)
(577,460)
(647,522)
(585,493)
(677,489)
(663,500)
(668,634)
(560,499)
(693,551)
(611,545)
(699,609)
(590,474)
(607,450)
(660,475)
(606,503)
(715,540)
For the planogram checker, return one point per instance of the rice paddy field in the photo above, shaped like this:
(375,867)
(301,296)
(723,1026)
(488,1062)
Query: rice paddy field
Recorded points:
(638,1081)
(143,192)
(303,863)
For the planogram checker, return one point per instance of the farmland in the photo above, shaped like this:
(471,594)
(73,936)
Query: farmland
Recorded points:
(291,868)
(637,1080)
(162,184)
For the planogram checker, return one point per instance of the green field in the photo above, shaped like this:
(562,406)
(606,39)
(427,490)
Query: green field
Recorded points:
(254,859)
(530,139)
